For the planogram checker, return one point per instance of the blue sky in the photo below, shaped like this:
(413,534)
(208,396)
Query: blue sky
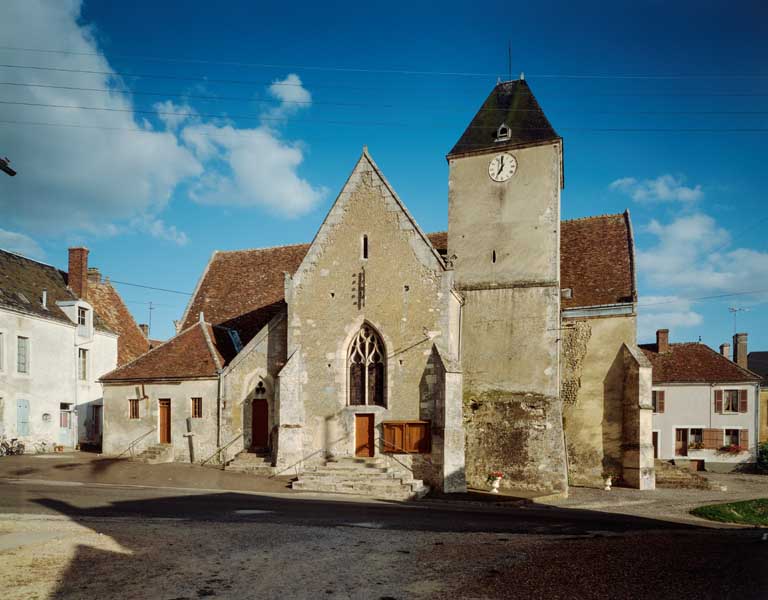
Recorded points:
(663,108)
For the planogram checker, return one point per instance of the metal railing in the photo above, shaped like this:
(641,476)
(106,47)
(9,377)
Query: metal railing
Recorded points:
(306,457)
(132,446)
(223,449)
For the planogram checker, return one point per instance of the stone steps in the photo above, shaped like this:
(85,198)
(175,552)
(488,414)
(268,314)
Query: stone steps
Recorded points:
(360,476)
(253,463)
(160,453)
(671,476)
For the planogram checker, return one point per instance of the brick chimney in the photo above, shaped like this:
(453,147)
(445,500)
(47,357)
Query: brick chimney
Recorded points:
(725,350)
(662,340)
(740,349)
(78,272)
(144,329)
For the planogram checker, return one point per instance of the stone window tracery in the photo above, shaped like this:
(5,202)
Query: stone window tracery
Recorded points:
(366,361)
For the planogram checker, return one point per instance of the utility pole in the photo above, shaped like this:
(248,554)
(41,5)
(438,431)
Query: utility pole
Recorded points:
(5,165)
(149,325)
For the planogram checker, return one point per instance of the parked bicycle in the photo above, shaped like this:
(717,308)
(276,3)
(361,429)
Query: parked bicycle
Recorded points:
(14,446)
(43,447)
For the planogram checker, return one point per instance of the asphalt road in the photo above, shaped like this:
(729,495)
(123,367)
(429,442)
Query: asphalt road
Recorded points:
(130,542)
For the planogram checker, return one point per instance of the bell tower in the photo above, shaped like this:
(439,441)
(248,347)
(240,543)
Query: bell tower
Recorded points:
(505,179)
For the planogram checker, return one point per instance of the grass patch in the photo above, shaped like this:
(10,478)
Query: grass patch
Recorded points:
(749,512)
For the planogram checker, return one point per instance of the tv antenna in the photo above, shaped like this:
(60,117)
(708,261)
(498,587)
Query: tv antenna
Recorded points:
(734,311)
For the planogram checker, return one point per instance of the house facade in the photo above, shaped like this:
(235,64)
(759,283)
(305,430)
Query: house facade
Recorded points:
(758,363)
(455,353)
(705,406)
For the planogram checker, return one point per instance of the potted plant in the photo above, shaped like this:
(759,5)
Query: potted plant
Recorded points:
(731,449)
(494,480)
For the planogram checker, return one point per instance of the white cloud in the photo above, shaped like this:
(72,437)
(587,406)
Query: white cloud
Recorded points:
(20,244)
(665,188)
(664,312)
(95,181)
(257,169)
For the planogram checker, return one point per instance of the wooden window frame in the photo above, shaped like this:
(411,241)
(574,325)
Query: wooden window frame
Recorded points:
(133,408)
(26,354)
(390,431)
(730,399)
(197,407)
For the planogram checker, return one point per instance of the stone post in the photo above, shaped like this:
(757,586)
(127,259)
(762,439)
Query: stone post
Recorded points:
(637,447)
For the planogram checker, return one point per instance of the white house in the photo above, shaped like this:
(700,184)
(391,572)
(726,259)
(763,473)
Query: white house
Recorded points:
(54,347)
(705,406)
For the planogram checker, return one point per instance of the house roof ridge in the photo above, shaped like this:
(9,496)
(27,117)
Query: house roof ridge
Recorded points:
(262,248)
(39,262)
(594,217)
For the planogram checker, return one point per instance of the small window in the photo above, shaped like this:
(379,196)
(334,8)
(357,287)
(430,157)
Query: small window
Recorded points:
(22,355)
(197,408)
(365,247)
(493,257)
(133,408)
(696,440)
(503,133)
(82,364)
(731,401)
(82,316)
(731,437)
(658,401)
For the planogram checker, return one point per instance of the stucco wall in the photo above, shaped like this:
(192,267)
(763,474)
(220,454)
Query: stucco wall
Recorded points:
(406,300)
(593,396)
(763,414)
(120,431)
(52,377)
(692,407)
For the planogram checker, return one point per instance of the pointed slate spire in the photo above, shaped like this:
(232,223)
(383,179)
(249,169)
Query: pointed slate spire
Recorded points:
(512,104)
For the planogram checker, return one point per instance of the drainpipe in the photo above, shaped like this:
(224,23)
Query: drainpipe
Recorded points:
(218,410)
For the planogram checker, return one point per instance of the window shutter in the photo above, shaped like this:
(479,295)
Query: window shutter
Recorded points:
(712,439)
(743,405)
(744,438)
(718,401)
(660,402)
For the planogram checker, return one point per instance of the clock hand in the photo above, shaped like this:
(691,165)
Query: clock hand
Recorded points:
(501,164)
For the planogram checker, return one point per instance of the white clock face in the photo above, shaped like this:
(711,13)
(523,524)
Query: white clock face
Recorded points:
(502,167)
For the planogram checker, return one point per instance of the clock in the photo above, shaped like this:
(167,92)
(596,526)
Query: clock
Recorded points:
(502,167)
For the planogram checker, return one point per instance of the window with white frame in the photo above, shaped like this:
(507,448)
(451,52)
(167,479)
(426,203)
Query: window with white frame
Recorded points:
(22,354)
(731,401)
(82,316)
(82,364)
(731,437)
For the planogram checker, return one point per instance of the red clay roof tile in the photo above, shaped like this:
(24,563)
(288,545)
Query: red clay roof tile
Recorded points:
(694,363)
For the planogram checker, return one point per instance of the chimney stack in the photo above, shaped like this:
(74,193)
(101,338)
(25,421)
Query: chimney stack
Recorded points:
(725,350)
(144,329)
(662,340)
(77,277)
(740,349)
(44,300)
(94,275)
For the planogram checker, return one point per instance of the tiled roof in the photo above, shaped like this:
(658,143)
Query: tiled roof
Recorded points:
(199,351)
(22,281)
(597,261)
(758,363)
(513,104)
(244,289)
(110,307)
(694,363)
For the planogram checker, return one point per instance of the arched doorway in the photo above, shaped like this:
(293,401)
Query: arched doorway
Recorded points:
(259,418)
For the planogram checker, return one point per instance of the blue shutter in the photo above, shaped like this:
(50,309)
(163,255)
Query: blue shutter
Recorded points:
(22,417)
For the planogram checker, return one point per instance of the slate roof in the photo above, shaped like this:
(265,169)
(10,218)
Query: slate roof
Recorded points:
(511,103)
(198,352)
(694,363)
(597,261)
(22,281)
(110,307)
(758,363)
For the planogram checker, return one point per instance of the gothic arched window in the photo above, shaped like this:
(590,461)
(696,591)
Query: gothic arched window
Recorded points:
(366,361)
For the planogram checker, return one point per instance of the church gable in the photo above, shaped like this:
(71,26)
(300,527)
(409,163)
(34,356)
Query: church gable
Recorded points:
(367,181)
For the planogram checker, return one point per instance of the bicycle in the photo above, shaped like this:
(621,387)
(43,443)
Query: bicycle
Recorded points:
(43,447)
(12,447)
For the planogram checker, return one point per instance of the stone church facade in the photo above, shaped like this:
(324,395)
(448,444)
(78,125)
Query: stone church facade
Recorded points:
(452,354)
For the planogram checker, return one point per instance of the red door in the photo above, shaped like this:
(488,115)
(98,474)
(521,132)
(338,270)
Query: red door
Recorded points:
(364,435)
(259,424)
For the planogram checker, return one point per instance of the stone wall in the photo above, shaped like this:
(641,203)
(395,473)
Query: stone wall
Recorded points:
(592,374)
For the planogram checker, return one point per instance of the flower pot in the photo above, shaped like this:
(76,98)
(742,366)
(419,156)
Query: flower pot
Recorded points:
(495,485)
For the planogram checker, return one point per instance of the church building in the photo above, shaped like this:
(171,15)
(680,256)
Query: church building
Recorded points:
(423,360)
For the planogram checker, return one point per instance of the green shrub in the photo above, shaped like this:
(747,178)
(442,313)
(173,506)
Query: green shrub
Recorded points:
(762,457)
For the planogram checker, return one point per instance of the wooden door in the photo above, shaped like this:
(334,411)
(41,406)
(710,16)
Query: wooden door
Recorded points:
(364,435)
(655,444)
(165,421)
(259,424)
(681,442)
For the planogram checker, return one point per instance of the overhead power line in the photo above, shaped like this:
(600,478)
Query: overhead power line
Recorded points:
(250,99)
(198,79)
(418,72)
(703,298)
